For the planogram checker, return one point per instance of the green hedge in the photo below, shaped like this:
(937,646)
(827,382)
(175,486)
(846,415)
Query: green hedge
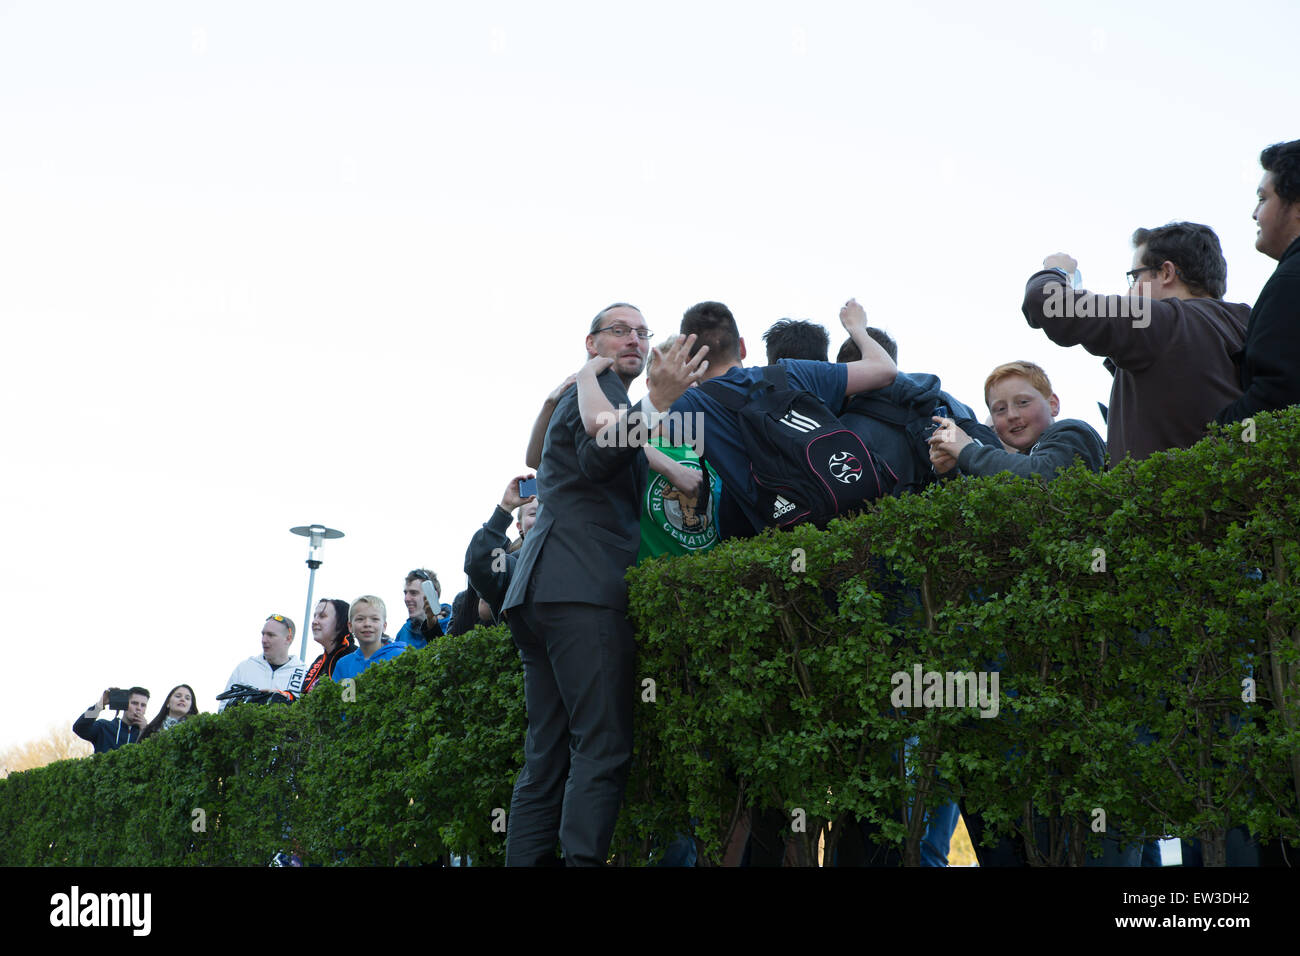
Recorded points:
(409,770)
(1121,691)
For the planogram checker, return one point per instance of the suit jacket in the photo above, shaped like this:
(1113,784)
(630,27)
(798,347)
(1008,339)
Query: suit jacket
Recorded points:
(588,516)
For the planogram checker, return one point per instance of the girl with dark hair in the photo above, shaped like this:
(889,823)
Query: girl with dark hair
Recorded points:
(179,704)
(329,628)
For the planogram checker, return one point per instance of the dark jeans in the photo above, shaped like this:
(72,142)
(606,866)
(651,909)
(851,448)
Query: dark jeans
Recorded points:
(579,690)
(858,848)
(1011,852)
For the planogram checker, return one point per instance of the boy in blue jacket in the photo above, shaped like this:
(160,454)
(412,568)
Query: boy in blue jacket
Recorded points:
(367,618)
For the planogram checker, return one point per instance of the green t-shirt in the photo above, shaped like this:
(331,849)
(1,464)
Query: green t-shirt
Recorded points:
(670,525)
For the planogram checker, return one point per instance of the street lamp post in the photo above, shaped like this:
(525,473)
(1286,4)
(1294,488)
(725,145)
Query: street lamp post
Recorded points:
(317,533)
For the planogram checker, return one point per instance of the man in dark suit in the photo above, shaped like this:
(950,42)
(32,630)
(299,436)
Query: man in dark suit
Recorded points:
(566,606)
(1270,361)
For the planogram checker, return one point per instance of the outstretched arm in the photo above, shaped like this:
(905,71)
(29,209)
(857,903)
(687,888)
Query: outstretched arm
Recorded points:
(1131,330)
(671,373)
(1058,447)
(875,369)
(83,724)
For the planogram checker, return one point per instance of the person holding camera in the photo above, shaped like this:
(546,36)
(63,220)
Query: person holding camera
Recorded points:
(491,556)
(108,735)
(424,623)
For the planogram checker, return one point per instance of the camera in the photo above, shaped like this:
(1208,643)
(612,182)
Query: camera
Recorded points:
(118,698)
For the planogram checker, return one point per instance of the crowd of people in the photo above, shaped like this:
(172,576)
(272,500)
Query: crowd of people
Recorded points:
(351,638)
(719,450)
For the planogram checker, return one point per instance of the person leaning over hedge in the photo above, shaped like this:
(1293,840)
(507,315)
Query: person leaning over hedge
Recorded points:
(1024,410)
(179,704)
(367,619)
(108,735)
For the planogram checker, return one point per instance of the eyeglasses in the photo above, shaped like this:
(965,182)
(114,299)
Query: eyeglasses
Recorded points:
(1134,273)
(621,331)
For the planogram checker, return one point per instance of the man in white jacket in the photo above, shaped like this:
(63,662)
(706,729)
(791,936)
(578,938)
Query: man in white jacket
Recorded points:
(274,668)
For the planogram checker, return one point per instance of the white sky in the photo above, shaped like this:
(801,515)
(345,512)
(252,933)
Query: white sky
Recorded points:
(264,264)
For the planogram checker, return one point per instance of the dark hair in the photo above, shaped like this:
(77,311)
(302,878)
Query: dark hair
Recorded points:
(155,725)
(341,609)
(796,339)
(464,611)
(600,316)
(849,351)
(1193,249)
(1283,161)
(138,690)
(422,574)
(713,325)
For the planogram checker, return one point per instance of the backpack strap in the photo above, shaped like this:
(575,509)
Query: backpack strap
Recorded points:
(773,377)
(726,397)
(880,408)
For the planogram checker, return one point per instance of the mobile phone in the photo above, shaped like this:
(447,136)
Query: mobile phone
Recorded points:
(930,429)
(431,595)
(527,487)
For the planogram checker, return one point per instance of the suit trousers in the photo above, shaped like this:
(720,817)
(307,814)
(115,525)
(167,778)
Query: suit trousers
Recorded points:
(579,687)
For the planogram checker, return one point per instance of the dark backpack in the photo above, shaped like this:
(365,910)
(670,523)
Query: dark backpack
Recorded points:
(896,422)
(805,464)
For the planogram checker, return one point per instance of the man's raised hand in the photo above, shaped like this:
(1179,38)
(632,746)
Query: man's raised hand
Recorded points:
(511,499)
(674,370)
(853,316)
(1059,260)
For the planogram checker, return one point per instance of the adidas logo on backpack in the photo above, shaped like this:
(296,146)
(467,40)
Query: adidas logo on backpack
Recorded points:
(800,423)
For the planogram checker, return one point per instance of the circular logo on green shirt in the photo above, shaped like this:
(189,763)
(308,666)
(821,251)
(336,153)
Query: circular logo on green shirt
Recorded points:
(690,522)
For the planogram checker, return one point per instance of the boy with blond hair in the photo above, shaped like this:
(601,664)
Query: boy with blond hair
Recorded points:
(367,618)
(1024,410)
